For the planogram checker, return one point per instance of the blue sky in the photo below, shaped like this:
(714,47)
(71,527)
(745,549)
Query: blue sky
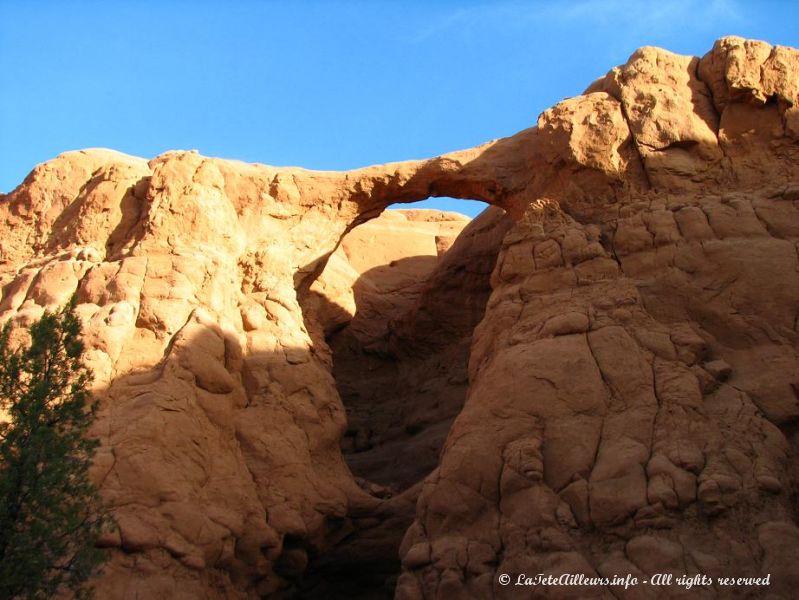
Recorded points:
(322,85)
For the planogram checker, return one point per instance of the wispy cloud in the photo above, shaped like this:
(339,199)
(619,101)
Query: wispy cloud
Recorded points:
(626,16)
(653,16)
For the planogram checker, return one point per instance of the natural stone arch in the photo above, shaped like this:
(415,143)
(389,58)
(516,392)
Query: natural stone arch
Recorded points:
(622,230)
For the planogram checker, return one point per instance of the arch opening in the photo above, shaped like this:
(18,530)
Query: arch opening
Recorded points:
(396,306)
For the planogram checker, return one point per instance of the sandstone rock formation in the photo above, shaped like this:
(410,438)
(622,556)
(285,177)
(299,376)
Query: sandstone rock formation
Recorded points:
(371,262)
(632,399)
(401,361)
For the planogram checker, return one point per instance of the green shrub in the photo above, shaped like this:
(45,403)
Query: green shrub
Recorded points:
(50,513)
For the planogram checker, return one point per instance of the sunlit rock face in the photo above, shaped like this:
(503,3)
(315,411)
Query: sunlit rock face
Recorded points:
(628,402)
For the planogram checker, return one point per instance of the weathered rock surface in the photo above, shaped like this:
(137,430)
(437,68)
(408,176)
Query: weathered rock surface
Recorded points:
(378,269)
(632,386)
(632,400)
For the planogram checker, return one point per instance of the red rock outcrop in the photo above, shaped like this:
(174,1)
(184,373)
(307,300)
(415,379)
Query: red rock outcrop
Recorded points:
(632,399)
(632,386)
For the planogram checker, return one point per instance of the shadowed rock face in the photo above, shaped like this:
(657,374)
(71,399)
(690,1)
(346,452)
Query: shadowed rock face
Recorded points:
(632,386)
(400,332)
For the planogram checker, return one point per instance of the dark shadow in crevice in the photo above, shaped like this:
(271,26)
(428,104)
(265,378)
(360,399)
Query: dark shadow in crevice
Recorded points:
(401,363)
(401,369)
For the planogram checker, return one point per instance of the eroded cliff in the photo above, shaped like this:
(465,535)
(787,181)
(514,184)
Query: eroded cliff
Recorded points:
(631,402)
